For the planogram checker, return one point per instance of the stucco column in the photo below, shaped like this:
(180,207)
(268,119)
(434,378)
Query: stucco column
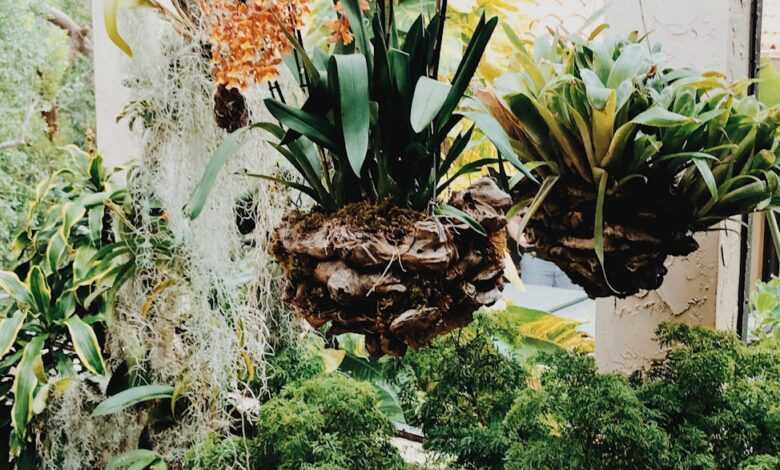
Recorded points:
(701,289)
(115,141)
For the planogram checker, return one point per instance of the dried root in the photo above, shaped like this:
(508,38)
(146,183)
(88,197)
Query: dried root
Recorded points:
(396,275)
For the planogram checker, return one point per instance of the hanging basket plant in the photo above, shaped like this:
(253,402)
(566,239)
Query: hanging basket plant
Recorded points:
(381,253)
(634,157)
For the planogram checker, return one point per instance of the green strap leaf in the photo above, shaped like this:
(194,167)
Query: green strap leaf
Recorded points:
(132,396)
(706,174)
(24,388)
(352,73)
(9,330)
(10,283)
(660,117)
(467,68)
(86,345)
(429,97)
(598,225)
(544,190)
(446,210)
(313,126)
(39,289)
(226,149)
(110,17)
(136,459)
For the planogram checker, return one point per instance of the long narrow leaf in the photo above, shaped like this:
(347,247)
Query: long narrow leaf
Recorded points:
(352,74)
(86,345)
(9,330)
(132,396)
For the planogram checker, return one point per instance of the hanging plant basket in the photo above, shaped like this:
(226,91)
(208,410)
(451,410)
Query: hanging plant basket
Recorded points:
(640,233)
(398,276)
(631,158)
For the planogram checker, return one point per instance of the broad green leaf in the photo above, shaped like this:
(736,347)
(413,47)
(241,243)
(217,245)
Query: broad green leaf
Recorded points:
(86,345)
(9,330)
(39,289)
(135,459)
(352,74)
(55,251)
(389,403)
(627,66)
(332,359)
(429,97)
(10,283)
(25,381)
(313,126)
(660,117)
(226,150)
(132,396)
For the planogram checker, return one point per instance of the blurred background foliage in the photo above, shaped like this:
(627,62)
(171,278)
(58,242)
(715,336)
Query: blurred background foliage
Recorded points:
(46,100)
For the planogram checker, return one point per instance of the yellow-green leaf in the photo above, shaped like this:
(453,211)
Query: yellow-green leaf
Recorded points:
(110,16)
(86,345)
(39,289)
(9,330)
(10,283)
(24,386)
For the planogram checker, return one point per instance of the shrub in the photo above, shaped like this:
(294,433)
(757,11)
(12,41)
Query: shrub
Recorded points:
(581,419)
(467,387)
(326,422)
(716,397)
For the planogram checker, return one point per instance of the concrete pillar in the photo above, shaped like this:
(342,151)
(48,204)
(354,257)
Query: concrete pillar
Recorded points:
(701,289)
(115,141)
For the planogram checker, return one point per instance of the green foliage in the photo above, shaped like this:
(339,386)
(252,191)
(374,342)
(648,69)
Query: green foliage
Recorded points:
(327,422)
(765,307)
(710,402)
(769,86)
(38,74)
(602,113)
(714,396)
(376,116)
(458,390)
(292,364)
(70,260)
(579,418)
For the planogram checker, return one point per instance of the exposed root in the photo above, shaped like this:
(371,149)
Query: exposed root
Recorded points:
(396,275)
(640,231)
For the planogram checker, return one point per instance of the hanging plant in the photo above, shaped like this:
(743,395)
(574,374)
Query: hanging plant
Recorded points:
(379,254)
(636,157)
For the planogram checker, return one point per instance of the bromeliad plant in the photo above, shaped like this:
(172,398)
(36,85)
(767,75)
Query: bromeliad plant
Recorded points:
(368,144)
(70,262)
(636,157)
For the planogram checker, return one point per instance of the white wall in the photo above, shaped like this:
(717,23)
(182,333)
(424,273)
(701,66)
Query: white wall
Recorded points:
(702,288)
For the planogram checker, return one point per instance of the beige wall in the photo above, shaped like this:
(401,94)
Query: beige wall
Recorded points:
(701,288)
(115,141)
